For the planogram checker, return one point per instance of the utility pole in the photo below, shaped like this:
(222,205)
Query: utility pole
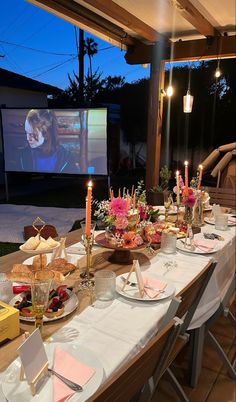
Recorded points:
(81,65)
(80,53)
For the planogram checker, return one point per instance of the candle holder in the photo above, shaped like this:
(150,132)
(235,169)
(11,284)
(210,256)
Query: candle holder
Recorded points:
(87,274)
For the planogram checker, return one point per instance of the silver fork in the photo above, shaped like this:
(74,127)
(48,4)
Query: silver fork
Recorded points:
(134,284)
(71,384)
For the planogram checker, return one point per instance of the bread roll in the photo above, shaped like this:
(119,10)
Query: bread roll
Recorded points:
(37,262)
(51,242)
(18,277)
(43,246)
(32,243)
(22,268)
(58,276)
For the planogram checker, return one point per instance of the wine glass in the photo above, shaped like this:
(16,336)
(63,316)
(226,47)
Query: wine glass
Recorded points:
(167,203)
(40,287)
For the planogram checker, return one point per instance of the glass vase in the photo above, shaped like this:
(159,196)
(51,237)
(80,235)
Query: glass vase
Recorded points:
(198,219)
(188,215)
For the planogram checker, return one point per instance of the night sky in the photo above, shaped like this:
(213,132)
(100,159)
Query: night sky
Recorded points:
(24,26)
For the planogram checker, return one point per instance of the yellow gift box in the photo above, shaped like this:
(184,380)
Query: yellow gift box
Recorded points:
(9,322)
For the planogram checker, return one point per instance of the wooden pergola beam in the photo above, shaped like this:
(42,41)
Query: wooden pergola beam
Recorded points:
(195,18)
(185,50)
(87,20)
(122,16)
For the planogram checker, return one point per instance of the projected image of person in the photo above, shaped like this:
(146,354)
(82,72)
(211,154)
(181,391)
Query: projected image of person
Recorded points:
(44,153)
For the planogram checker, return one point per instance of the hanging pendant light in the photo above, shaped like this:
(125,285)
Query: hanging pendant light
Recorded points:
(188,98)
(188,102)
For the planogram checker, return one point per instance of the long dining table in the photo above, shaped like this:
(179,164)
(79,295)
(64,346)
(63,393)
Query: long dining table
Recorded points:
(115,331)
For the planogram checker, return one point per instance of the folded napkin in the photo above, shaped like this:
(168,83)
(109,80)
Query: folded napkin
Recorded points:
(205,245)
(154,283)
(231,220)
(71,368)
(76,250)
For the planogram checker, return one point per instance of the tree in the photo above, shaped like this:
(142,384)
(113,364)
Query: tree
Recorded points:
(90,48)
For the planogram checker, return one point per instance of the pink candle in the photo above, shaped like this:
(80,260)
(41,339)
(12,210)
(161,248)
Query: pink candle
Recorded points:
(178,188)
(200,176)
(186,174)
(88,209)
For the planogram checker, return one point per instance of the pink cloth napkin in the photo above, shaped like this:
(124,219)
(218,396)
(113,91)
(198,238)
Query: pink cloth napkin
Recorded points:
(205,245)
(70,368)
(231,220)
(154,283)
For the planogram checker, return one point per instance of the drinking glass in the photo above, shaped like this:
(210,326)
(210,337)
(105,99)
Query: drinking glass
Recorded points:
(221,222)
(40,288)
(6,293)
(168,243)
(105,285)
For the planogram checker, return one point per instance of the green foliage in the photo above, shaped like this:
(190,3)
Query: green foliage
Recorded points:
(165,175)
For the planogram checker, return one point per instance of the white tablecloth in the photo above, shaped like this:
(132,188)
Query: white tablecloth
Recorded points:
(116,331)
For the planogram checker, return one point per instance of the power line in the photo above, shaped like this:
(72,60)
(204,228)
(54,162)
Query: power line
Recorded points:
(36,50)
(53,68)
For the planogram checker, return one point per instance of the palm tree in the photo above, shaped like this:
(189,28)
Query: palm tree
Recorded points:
(90,48)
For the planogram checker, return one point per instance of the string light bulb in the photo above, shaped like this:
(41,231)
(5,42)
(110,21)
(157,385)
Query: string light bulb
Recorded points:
(169,91)
(218,72)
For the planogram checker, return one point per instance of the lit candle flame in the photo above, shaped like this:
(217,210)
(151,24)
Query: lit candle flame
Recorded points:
(186,163)
(90,183)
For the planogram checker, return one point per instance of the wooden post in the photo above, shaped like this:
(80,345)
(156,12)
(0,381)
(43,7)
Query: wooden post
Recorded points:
(155,111)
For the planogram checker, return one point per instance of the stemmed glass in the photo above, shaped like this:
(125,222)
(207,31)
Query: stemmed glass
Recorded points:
(40,287)
(167,203)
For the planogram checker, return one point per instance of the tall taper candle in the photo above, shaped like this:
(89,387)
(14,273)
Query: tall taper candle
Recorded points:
(200,176)
(186,174)
(88,209)
(178,188)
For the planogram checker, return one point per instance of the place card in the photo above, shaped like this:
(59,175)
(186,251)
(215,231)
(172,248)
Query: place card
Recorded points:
(33,359)
(139,278)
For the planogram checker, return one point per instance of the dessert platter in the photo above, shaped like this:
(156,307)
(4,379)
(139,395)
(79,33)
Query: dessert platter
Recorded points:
(121,254)
(62,301)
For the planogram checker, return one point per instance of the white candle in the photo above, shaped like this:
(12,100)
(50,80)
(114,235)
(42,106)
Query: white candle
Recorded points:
(186,174)
(200,176)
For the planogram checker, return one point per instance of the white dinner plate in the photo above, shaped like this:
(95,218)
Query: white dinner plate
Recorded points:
(19,391)
(133,292)
(211,221)
(70,305)
(181,246)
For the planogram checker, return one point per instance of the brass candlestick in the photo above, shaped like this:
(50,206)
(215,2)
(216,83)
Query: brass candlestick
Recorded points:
(87,274)
(177,208)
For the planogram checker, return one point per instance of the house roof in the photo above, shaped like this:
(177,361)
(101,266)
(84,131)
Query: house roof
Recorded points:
(188,28)
(14,80)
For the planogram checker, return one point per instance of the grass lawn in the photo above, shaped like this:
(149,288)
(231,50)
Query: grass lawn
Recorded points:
(64,193)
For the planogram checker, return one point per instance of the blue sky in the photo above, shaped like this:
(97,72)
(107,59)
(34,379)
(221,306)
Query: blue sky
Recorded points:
(28,26)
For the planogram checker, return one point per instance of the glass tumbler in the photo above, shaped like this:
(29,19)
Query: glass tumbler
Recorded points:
(6,293)
(105,285)
(221,222)
(168,243)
